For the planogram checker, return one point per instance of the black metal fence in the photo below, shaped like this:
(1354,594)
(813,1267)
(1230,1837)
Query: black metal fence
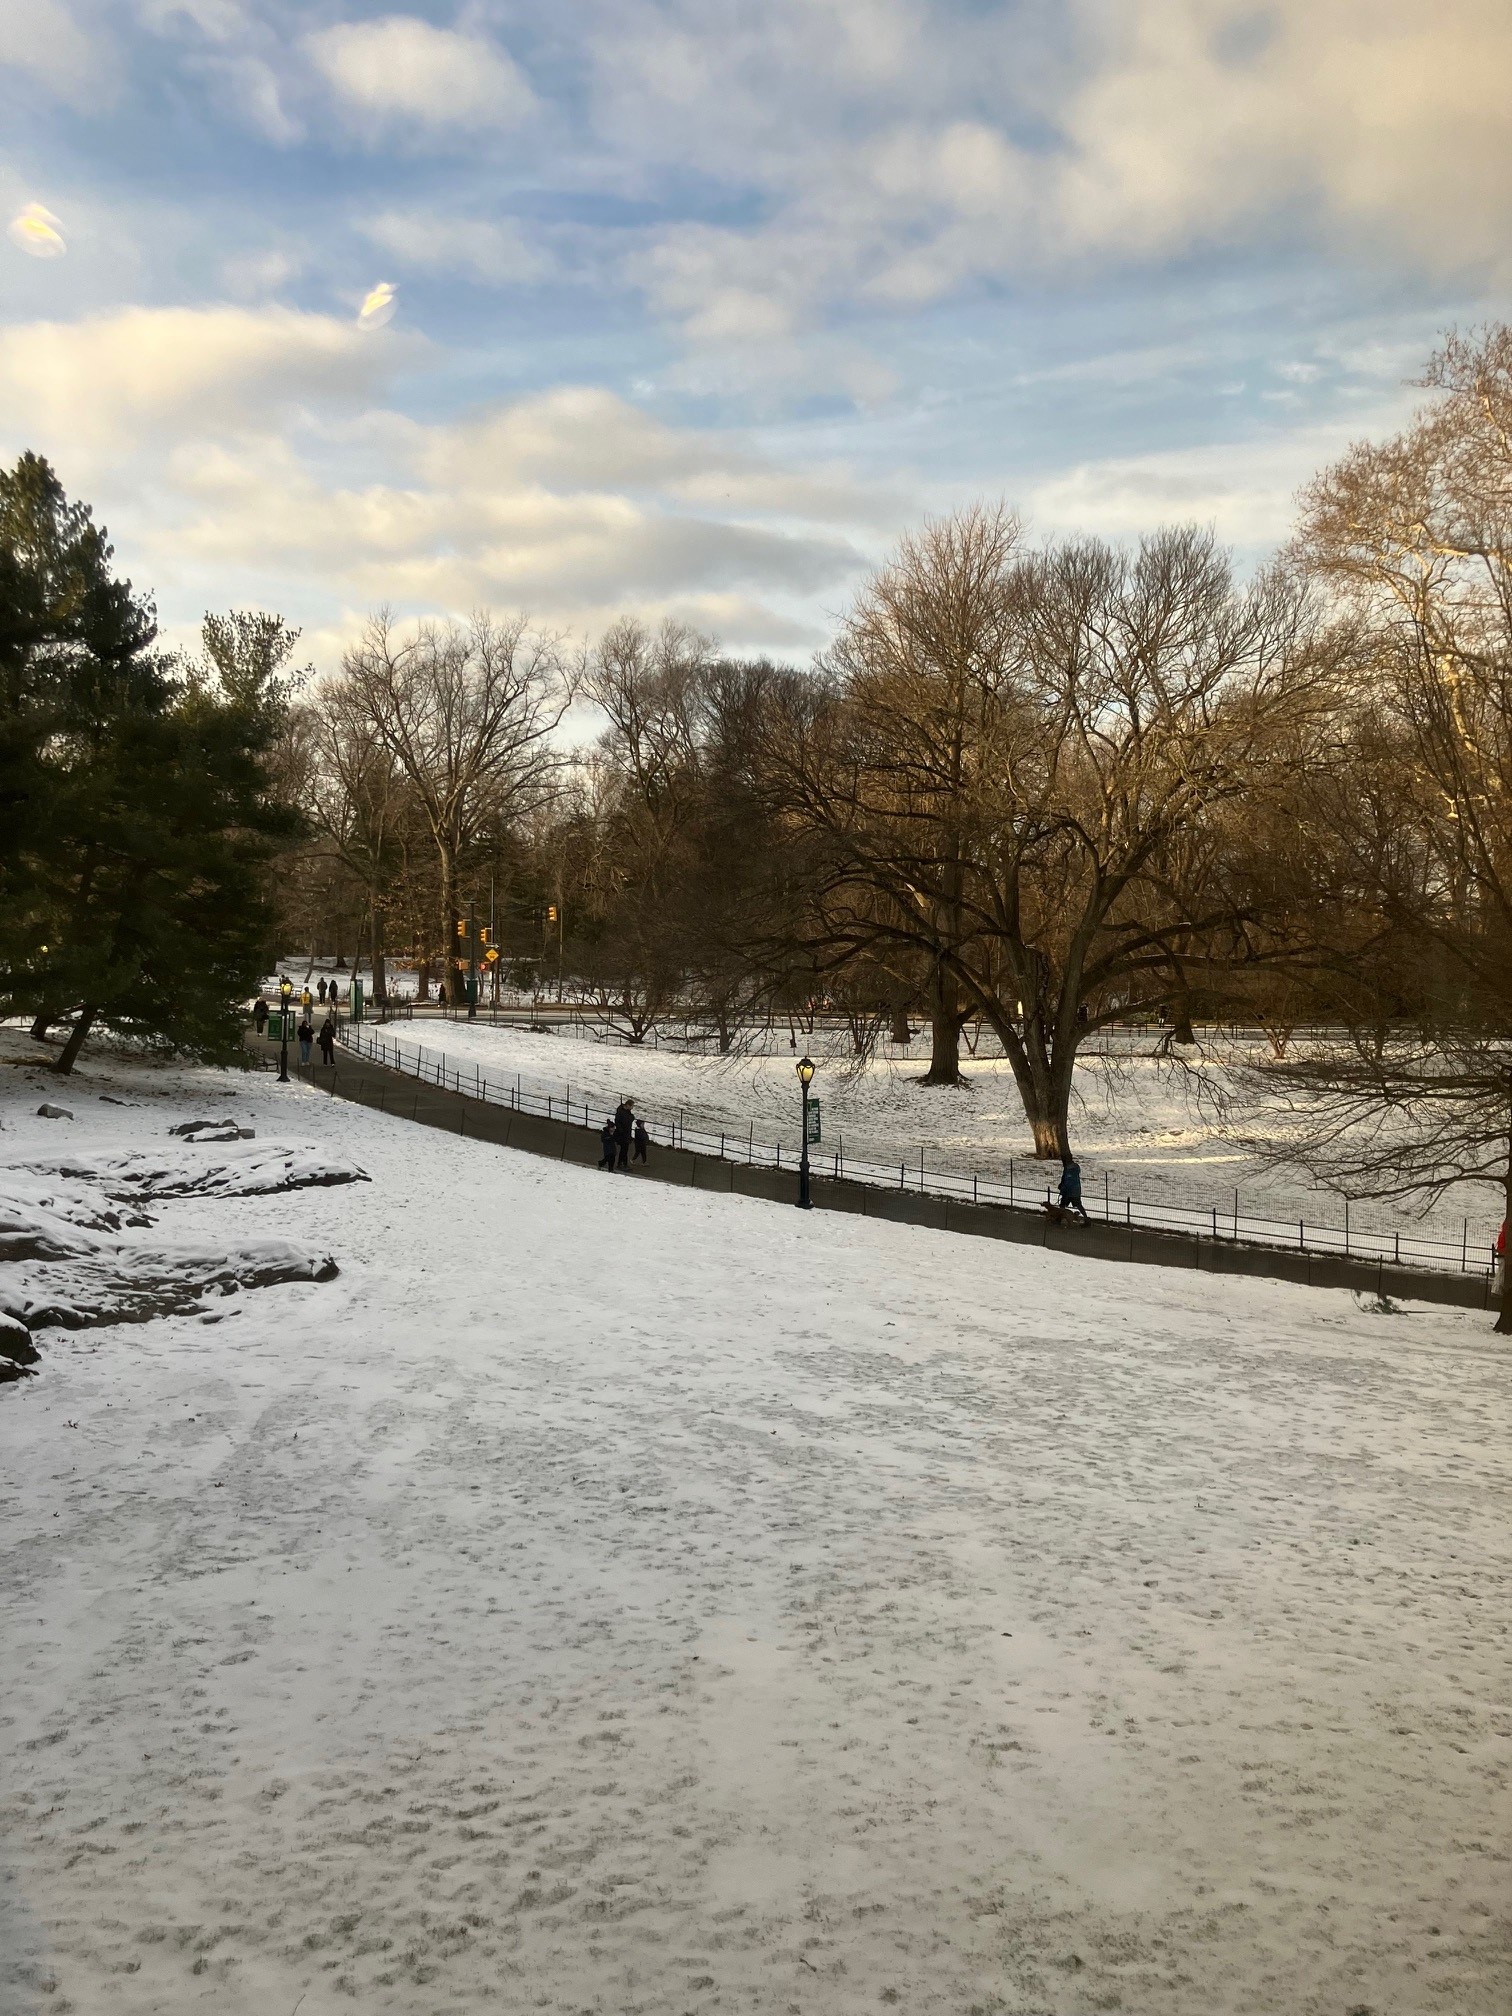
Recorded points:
(1237,1226)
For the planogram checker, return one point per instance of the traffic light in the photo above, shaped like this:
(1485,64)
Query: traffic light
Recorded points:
(551,913)
(483,934)
(461,927)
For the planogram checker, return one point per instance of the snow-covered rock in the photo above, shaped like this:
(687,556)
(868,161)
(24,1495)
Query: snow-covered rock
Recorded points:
(16,1348)
(190,1169)
(134,1282)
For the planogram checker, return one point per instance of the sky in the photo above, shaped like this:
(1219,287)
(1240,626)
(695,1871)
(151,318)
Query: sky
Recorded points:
(691,307)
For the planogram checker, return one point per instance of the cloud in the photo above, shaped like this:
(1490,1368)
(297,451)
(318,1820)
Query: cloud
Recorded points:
(901,154)
(569,504)
(1246,489)
(403,68)
(252,93)
(477,248)
(101,386)
(41,38)
(239,452)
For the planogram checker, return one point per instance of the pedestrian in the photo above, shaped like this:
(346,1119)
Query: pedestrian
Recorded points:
(332,996)
(322,990)
(260,1013)
(328,1040)
(306,1035)
(642,1142)
(606,1143)
(306,998)
(441,994)
(624,1133)
(1070,1190)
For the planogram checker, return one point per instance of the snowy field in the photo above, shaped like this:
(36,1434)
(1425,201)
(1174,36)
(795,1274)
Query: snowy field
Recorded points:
(1144,1123)
(610,1597)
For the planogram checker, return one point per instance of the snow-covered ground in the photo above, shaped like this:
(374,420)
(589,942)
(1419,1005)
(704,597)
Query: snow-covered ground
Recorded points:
(1146,1124)
(604,1596)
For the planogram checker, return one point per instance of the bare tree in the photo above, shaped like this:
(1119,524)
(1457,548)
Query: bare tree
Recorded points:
(469,715)
(998,776)
(1413,536)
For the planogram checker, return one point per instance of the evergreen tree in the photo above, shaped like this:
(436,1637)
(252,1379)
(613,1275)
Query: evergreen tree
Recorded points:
(136,793)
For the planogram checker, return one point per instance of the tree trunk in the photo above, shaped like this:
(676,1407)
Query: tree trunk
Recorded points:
(422,981)
(945,1019)
(1504,1318)
(75,1043)
(1181,1016)
(43,1023)
(380,972)
(901,1033)
(1043,1081)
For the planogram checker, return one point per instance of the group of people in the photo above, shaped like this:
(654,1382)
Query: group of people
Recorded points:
(305,1033)
(624,1138)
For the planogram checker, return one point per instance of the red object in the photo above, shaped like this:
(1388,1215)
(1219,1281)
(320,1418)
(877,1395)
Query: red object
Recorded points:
(1501,1238)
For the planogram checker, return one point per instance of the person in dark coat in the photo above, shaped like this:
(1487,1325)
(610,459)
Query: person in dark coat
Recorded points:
(441,994)
(642,1142)
(322,990)
(328,1040)
(260,1014)
(306,1035)
(332,995)
(624,1133)
(606,1139)
(1070,1190)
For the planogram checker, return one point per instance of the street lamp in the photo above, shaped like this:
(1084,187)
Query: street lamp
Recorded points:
(805,1068)
(285,995)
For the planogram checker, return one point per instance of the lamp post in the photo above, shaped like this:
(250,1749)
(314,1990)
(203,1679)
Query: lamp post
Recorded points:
(285,995)
(805,1069)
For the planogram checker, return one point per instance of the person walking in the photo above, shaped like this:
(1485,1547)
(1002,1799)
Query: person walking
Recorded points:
(306,998)
(606,1143)
(332,995)
(1070,1190)
(642,1142)
(322,990)
(260,1014)
(306,1035)
(328,1040)
(624,1133)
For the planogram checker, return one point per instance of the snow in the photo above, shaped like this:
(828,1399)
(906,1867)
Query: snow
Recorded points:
(1148,1124)
(609,1596)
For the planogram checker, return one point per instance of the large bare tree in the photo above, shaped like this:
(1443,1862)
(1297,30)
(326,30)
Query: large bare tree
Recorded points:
(1007,763)
(469,715)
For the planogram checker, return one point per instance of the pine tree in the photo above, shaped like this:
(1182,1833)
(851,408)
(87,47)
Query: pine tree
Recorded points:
(136,793)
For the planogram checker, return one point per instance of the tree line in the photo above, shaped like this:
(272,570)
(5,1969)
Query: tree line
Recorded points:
(1038,784)
(1042,785)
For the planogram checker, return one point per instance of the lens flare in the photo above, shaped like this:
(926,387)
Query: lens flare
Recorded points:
(37,232)
(378,307)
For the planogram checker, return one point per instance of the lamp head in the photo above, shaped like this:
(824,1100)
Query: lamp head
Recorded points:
(805,1069)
